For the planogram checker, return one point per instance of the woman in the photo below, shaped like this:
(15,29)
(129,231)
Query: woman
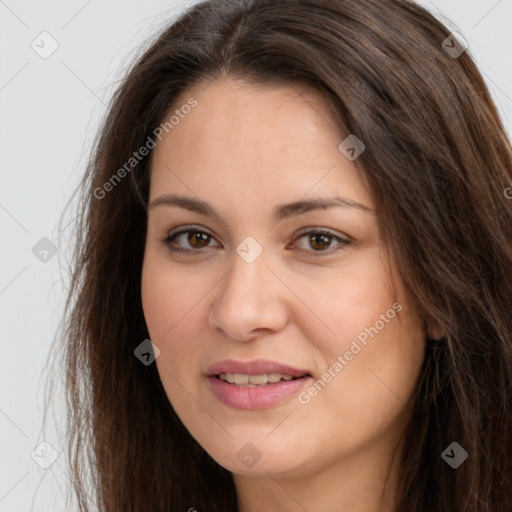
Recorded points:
(292,284)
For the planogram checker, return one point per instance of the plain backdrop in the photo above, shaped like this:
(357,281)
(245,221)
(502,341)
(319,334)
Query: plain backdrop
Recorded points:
(50,109)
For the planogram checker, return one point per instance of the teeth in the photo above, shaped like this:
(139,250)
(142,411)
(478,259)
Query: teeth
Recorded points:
(250,381)
(242,379)
(257,379)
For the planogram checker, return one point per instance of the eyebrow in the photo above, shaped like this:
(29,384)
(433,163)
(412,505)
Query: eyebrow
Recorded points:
(279,212)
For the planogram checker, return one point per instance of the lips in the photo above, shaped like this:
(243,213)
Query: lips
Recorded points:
(250,396)
(255,367)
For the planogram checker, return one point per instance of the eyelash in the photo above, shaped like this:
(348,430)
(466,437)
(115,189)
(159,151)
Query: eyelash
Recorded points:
(314,231)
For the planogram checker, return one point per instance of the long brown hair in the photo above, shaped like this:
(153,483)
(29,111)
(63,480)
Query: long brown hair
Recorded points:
(438,161)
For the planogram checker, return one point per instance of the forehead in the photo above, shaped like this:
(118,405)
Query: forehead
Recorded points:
(255,141)
(231,112)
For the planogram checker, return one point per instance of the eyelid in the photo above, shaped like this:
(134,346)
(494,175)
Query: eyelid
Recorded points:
(186,228)
(318,230)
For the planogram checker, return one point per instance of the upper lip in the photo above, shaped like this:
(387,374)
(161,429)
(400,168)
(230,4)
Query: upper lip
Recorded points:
(254,367)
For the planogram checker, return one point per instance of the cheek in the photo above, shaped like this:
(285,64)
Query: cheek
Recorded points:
(371,391)
(166,301)
(173,305)
(349,301)
(158,301)
(373,352)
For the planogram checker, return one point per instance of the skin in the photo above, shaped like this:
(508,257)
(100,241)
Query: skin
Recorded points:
(245,149)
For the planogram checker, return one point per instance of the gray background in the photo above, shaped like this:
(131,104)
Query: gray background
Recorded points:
(50,109)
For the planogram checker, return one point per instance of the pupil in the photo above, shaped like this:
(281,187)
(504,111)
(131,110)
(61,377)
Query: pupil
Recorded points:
(196,238)
(324,243)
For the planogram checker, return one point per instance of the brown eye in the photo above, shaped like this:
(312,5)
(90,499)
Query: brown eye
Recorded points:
(197,239)
(188,240)
(320,241)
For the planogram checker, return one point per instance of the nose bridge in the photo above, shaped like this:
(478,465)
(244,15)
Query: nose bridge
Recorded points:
(248,278)
(248,299)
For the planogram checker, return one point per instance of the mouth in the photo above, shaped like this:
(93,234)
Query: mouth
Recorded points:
(256,384)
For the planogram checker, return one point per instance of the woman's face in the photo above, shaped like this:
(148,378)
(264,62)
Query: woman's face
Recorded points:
(254,285)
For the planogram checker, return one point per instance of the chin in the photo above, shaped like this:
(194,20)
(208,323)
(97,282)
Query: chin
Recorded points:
(258,458)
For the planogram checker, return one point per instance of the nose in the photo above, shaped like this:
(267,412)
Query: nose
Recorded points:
(251,301)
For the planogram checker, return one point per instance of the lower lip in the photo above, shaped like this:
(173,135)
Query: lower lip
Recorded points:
(259,397)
